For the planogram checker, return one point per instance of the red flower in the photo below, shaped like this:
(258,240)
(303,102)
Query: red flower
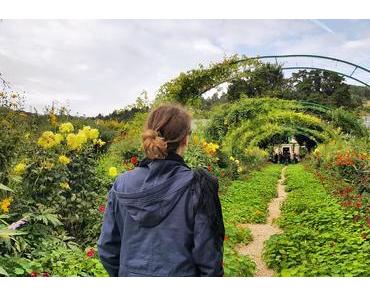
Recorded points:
(90,253)
(222,173)
(45,274)
(34,274)
(226,238)
(346,203)
(134,160)
(102,208)
(209,168)
(358,204)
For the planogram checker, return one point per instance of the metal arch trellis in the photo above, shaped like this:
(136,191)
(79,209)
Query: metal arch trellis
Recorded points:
(350,76)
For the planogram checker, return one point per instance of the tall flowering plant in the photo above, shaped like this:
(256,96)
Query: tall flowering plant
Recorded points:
(61,176)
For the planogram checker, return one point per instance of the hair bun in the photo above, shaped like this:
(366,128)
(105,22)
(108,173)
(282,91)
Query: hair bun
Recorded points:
(155,147)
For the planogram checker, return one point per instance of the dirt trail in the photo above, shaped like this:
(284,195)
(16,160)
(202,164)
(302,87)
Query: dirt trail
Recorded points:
(262,232)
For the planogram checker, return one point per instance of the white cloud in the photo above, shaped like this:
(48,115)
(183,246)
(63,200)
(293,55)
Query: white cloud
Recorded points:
(102,65)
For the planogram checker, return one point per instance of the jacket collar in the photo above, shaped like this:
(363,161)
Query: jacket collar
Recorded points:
(170,157)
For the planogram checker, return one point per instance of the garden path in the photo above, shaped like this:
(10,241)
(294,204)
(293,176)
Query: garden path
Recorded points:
(262,232)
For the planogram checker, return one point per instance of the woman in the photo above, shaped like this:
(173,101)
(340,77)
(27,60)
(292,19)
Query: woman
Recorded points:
(162,218)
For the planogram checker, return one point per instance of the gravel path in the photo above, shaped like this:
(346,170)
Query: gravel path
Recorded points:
(262,232)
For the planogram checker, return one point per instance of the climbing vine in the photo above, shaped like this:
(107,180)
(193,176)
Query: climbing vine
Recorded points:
(188,87)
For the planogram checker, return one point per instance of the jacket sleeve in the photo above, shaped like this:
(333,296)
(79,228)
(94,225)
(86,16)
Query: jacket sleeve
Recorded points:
(109,243)
(208,247)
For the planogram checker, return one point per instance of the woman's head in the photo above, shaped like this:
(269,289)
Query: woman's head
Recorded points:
(166,130)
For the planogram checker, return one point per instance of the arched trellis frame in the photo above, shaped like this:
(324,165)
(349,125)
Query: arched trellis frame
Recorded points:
(194,83)
(351,75)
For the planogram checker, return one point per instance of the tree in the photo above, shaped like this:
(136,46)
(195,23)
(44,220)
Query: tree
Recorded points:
(325,87)
(265,80)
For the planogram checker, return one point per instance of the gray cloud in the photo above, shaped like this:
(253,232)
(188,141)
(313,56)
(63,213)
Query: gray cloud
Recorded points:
(99,66)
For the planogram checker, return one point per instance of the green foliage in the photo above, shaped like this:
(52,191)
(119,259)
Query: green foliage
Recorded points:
(236,264)
(324,87)
(346,159)
(188,87)
(70,261)
(349,123)
(263,122)
(320,238)
(246,201)
(265,80)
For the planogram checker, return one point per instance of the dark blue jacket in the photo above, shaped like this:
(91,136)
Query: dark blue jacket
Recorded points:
(153,225)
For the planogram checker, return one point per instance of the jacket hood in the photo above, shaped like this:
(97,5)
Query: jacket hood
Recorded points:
(152,190)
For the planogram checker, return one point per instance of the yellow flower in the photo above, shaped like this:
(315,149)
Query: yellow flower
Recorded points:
(210,148)
(99,142)
(4,204)
(48,139)
(72,142)
(58,138)
(113,172)
(81,137)
(76,141)
(90,133)
(20,168)
(65,186)
(53,119)
(196,139)
(231,158)
(66,128)
(47,165)
(64,160)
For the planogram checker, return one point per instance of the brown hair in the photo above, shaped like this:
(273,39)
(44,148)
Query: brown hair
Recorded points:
(166,127)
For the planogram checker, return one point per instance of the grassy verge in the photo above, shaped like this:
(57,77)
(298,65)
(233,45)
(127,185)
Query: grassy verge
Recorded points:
(320,238)
(246,201)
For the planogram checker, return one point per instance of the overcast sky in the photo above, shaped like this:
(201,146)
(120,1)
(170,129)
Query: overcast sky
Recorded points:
(99,66)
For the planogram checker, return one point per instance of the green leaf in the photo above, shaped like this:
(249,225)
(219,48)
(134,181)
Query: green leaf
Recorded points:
(5,188)
(18,271)
(3,271)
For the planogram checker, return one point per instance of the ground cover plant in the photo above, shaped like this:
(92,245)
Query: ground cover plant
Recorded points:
(320,237)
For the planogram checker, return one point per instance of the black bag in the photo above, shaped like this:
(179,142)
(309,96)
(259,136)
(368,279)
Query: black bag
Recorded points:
(209,201)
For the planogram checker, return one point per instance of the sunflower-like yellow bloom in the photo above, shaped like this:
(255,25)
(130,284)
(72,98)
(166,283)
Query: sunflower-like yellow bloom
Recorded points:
(64,160)
(20,168)
(113,172)
(48,139)
(66,128)
(4,204)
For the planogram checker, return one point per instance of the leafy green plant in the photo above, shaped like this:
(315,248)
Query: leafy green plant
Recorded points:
(320,238)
